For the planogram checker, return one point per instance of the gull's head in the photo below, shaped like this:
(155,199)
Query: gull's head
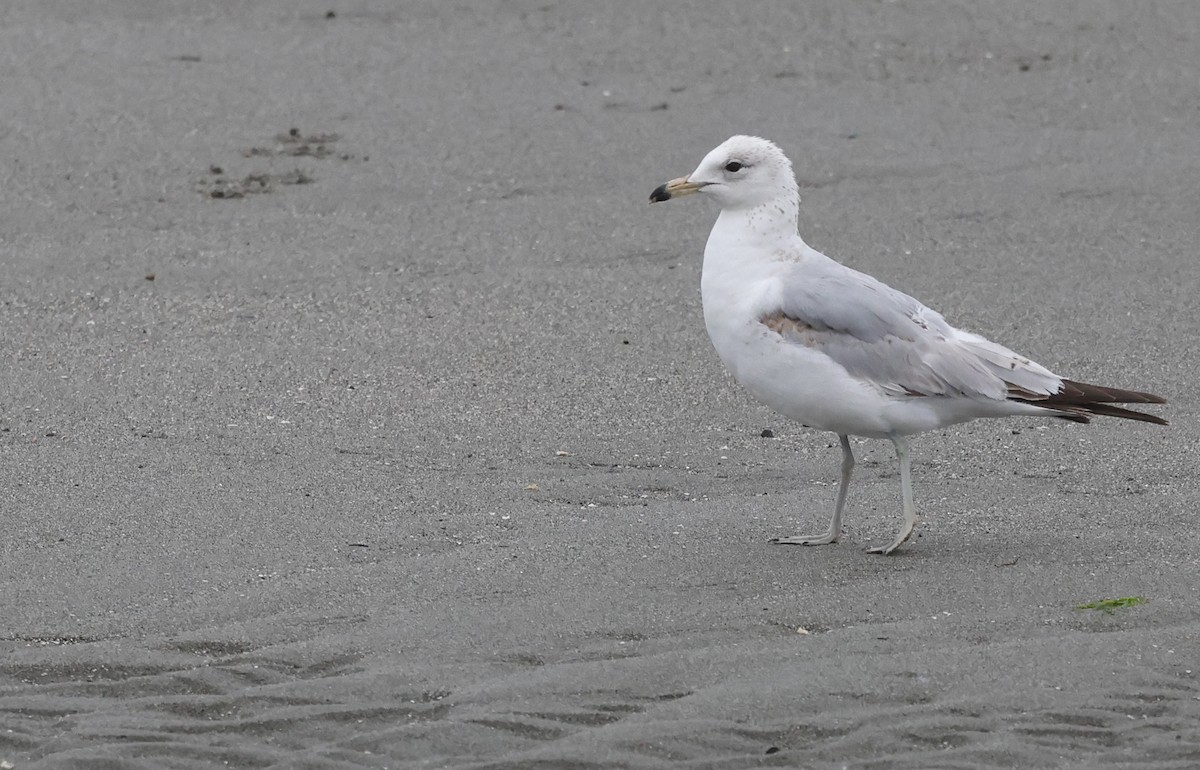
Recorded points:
(743,172)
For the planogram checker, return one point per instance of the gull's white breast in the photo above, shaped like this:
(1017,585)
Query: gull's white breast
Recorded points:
(739,287)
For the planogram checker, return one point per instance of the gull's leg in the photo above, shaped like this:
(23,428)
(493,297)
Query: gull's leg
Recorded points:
(835,525)
(910,510)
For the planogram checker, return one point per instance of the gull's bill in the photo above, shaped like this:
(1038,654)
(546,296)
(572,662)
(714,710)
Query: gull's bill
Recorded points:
(676,188)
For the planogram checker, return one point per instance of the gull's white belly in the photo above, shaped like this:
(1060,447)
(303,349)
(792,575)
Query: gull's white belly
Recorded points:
(800,383)
(808,386)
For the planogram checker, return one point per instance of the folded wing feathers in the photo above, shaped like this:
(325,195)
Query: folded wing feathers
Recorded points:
(891,339)
(1016,370)
(1033,383)
(928,373)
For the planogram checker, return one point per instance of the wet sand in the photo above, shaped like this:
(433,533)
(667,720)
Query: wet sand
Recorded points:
(358,412)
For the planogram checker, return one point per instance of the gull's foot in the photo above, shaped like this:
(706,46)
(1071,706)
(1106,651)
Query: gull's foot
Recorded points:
(903,537)
(826,539)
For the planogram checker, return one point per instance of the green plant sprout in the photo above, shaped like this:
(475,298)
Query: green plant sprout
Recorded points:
(1109,606)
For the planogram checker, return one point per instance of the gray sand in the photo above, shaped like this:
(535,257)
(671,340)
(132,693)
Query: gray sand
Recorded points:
(428,462)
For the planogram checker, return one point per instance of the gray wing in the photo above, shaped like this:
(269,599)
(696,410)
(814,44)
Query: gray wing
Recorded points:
(883,335)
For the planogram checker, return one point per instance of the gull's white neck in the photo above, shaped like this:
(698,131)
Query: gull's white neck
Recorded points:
(747,250)
(760,234)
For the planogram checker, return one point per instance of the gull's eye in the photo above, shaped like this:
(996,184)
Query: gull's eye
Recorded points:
(733,167)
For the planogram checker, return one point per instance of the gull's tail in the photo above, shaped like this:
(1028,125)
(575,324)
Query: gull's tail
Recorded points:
(1078,401)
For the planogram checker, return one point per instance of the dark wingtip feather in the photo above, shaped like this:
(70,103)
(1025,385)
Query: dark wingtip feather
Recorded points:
(1077,400)
(1082,392)
(1108,410)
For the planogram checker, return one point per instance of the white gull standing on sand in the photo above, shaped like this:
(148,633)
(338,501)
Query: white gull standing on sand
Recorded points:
(840,351)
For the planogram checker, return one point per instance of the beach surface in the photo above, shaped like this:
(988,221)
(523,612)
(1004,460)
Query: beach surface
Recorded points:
(356,410)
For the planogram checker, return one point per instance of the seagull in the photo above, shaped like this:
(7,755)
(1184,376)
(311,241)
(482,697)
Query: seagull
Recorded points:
(838,350)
